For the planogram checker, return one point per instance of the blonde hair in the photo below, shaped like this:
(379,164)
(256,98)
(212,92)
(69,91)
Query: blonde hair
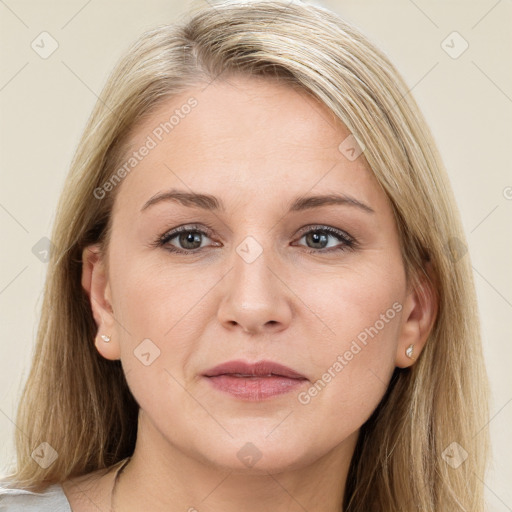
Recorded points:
(79,402)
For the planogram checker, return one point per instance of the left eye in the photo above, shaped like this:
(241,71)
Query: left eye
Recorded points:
(320,236)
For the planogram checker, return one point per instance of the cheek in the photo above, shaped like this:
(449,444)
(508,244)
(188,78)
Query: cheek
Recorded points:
(157,325)
(354,358)
(153,298)
(161,312)
(362,309)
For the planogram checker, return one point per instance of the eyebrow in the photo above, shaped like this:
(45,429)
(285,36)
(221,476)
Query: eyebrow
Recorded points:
(209,202)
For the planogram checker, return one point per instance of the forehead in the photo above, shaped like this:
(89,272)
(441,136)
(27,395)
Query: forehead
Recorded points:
(244,138)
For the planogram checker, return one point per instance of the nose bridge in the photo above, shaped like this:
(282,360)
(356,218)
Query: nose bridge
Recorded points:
(255,297)
(252,279)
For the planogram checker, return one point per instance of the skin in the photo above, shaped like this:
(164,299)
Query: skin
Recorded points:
(256,145)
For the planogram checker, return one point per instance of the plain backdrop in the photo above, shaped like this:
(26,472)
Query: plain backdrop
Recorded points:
(466,98)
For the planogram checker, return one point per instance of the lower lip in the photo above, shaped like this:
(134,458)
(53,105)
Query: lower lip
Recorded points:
(255,388)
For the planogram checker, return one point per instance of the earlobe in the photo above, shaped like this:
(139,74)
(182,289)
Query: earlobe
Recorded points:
(419,314)
(108,349)
(96,284)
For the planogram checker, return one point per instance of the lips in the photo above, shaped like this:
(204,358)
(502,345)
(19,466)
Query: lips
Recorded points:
(254,382)
(257,369)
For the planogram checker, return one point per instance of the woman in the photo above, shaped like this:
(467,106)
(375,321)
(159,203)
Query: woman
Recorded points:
(258,298)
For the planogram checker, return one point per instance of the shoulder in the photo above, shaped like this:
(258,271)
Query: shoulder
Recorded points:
(16,500)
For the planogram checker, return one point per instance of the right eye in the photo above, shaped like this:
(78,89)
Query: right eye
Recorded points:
(189,238)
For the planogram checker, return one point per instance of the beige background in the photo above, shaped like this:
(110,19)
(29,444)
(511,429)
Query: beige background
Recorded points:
(467,101)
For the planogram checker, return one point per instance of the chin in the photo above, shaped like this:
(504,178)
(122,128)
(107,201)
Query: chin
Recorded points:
(257,454)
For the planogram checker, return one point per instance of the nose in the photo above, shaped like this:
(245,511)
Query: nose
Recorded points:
(255,297)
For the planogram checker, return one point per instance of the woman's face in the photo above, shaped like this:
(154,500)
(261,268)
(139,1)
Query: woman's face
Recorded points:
(264,272)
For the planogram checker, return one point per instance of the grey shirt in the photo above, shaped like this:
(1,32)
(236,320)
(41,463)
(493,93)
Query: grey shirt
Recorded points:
(52,499)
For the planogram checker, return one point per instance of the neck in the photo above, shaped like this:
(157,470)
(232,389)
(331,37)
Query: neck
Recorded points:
(119,470)
(162,475)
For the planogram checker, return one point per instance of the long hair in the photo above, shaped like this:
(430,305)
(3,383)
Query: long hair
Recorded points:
(79,403)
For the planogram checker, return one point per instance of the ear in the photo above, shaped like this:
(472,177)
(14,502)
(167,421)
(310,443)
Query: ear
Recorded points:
(96,284)
(419,314)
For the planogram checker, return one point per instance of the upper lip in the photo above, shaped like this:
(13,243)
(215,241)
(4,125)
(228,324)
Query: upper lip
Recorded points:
(257,369)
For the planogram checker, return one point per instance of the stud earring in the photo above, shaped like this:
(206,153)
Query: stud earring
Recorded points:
(105,338)
(409,351)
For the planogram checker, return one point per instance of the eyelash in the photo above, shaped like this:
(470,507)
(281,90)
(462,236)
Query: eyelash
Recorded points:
(349,243)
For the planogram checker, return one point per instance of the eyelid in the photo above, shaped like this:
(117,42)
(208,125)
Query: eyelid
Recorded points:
(201,228)
(329,229)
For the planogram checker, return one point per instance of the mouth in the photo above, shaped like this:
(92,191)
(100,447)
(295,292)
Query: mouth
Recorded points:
(254,381)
